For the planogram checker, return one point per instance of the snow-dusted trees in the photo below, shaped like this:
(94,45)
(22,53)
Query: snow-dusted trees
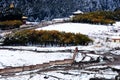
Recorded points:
(37,10)
(98,17)
(46,38)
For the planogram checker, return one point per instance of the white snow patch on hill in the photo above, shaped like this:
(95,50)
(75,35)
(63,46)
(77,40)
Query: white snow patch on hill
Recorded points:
(77,28)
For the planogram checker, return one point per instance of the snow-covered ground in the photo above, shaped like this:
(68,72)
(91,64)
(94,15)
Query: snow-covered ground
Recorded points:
(97,32)
(65,75)
(95,47)
(29,56)
(20,58)
(77,28)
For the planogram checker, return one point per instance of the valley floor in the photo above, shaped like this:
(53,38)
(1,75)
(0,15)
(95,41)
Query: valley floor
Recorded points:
(100,59)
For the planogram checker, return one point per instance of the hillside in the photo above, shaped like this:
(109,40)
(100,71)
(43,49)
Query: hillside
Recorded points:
(38,10)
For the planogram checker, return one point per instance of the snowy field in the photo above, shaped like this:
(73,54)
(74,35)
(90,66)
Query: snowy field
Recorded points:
(77,28)
(20,58)
(99,33)
(29,57)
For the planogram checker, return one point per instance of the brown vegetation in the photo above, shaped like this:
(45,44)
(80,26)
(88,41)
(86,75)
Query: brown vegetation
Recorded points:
(10,17)
(98,17)
(46,38)
(9,24)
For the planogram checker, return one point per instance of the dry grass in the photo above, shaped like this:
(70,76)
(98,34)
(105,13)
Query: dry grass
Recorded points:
(11,23)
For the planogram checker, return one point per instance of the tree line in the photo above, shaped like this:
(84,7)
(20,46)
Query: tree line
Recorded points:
(46,38)
(98,17)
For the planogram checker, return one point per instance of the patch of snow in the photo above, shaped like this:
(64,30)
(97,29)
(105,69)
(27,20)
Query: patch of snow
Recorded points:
(100,66)
(79,57)
(87,59)
(20,58)
(116,52)
(78,12)
(115,66)
(76,28)
(33,23)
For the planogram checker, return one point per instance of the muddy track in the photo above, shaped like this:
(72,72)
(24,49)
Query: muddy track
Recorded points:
(40,25)
(63,67)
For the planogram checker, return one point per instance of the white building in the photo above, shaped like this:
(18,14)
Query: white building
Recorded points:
(60,20)
(115,39)
(77,12)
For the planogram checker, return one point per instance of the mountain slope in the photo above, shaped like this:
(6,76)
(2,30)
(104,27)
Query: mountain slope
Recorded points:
(38,10)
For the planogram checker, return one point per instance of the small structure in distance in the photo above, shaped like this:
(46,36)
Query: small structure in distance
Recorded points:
(115,39)
(77,12)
